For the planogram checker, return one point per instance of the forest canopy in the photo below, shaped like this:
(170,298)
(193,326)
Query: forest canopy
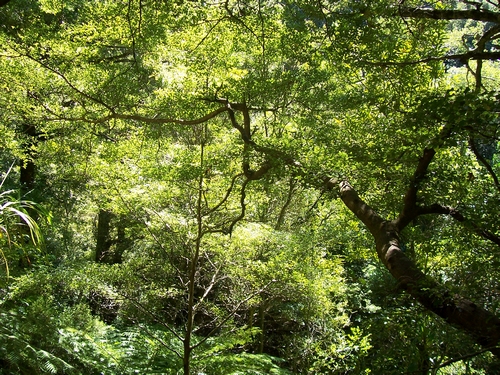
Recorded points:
(249,187)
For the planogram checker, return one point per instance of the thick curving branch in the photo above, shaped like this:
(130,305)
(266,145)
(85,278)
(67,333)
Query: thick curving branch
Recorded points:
(243,207)
(143,119)
(226,196)
(364,212)
(482,325)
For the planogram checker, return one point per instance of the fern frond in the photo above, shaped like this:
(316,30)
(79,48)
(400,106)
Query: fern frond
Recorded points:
(20,354)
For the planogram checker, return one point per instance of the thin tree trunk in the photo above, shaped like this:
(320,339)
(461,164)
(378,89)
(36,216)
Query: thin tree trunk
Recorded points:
(262,337)
(191,307)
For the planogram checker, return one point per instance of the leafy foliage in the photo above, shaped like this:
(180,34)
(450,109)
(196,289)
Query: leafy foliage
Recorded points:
(185,151)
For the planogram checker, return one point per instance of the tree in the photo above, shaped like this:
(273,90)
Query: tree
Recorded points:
(303,99)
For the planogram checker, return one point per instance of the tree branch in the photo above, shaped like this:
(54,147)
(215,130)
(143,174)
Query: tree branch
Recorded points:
(457,215)
(256,174)
(226,196)
(231,314)
(463,57)
(484,162)
(246,136)
(243,207)
(449,14)
(143,119)
(410,200)
(364,212)
(489,35)
(155,317)
(281,216)
(69,83)
(461,358)
(482,325)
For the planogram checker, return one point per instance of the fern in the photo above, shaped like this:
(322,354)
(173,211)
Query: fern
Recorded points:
(241,364)
(24,358)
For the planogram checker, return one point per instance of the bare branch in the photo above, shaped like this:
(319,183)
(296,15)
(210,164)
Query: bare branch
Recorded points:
(238,19)
(228,193)
(212,283)
(467,356)
(281,216)
(155,317)
(69,83)
(244,135)
(259,173)
(163,343)
(243,207)
(246,117)
(143,119)
(207,34)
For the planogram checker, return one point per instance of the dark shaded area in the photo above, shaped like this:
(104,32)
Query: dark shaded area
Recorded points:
(28,170)
(111,239)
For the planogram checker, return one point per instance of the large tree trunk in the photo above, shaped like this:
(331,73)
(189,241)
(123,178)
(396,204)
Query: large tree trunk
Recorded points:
(482,325)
